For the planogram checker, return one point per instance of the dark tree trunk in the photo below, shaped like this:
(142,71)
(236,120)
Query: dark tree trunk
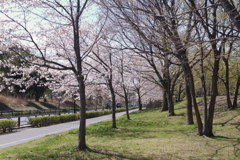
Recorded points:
(82,128)
(204,92)
(74,106)
(114,125)
(59,103)
(139,101)
(74,103)
(226,83)
(189,115)
(209,126)
(170,105)
(127,109)
(236,93)
(37,95)
(126,102)
(179,92)
(167,87)
(189,79)
(165,102)
(80,78)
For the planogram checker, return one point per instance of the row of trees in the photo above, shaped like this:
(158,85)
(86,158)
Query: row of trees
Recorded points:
(127,46)
(184,33)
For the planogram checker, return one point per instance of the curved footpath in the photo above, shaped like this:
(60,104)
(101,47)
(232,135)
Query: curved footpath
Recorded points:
(27,134)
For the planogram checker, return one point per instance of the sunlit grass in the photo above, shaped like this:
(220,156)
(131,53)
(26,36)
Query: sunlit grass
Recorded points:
(149,135)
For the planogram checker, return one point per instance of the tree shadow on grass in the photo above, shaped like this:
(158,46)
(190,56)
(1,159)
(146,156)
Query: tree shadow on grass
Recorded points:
(235,145)
(110,153)
(223,138)
(180,114)
(128,155)
(4,107)
(49,106)
(31,104)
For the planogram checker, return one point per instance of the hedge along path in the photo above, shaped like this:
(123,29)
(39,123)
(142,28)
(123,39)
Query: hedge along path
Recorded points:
(7,125)
(56,119)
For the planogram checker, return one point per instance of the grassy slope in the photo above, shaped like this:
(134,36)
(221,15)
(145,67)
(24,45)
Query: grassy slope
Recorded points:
(149,135)
(16,103)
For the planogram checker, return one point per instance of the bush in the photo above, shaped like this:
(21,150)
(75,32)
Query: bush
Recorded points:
(35,122)
(68,117)
(7,124)
(120,109)
(106,112)
(49,120)
(44,121)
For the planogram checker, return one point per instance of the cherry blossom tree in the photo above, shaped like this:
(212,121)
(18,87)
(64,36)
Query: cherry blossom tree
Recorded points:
(157,24)
(124,79)
(105,59)
(60,35)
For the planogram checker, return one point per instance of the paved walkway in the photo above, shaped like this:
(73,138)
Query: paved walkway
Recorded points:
(27,134)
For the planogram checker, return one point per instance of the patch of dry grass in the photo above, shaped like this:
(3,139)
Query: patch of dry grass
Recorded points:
(13,102)
(19,103)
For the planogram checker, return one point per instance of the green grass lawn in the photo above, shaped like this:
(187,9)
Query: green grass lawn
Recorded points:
(149,135)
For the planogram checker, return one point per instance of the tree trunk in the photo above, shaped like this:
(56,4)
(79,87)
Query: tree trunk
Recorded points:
(165,102)
(37,96)
(189,115)
(80,78)
(209,126)
(74,106)
(204,93)
(226,83)
(168,98)
(139,101)
(74,103)
(126,102)
(59,103)
(236,93)
(127,110)
(170,105)
(189,79)
(179,92)
(82,128)
(167,87)
(114,125)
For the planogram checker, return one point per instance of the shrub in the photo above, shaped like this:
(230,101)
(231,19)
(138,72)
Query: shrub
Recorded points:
(91,114)
(120,109)
(49,120)
(106,112)
(35,122)
(68,117)
(7,124)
